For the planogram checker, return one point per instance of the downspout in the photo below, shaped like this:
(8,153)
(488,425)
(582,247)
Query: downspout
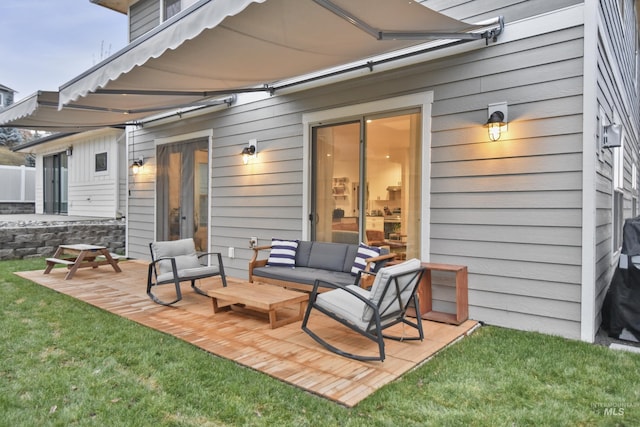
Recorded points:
(588,328)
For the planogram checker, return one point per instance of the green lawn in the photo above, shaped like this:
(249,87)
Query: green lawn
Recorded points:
(65,363)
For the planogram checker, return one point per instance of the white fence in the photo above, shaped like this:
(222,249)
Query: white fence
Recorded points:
(17,184)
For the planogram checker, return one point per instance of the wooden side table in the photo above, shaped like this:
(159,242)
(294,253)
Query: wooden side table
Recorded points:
(462,294)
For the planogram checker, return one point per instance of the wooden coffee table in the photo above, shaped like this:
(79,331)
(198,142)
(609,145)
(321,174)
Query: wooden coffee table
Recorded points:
(254,298)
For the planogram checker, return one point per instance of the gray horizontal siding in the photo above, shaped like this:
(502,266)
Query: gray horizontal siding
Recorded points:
(492,216)
(561,236)
(144,16)
(539,307)
(616,92)
(526,200)
(544,145)
(476,10)
(519,269)
(511,210)
(528,322)
(530,183)
(525,182)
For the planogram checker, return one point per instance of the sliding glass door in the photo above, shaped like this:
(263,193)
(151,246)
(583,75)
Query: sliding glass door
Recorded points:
(56,183)
(183,192)
(366,181)
(336,208)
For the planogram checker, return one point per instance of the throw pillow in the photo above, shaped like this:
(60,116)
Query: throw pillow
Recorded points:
(283,253)
(364,252)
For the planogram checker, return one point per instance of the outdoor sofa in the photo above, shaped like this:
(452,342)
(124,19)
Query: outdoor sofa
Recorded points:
(297,264)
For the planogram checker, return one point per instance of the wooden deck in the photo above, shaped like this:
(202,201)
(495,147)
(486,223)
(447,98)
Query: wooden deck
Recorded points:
(285,353)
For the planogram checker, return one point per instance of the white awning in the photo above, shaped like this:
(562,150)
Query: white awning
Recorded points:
(226,46)
(40,112)
(220,47)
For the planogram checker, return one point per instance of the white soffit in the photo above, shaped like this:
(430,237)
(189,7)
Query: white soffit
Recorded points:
(226,46)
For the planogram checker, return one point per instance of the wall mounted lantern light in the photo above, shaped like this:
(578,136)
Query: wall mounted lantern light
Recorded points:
(250,151)
(497,122)
(69,150)
(136,166)
(611,136)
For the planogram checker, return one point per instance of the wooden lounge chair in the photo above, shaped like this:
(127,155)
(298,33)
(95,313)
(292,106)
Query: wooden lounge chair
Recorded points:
(177,261)
(369,312)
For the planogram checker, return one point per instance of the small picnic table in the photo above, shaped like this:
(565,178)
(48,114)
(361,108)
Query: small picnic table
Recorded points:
(81,256)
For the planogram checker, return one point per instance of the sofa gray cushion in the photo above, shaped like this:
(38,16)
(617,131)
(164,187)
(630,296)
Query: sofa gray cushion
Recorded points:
(317,260)
(352,251)
(303,252)
(298,274)
(328,256)
(304,275)
(338,277)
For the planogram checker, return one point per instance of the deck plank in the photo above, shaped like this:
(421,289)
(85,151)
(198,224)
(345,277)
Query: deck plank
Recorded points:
(285,353)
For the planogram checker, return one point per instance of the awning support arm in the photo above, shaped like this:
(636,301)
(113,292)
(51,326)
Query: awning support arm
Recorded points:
(199,94)
(368,65)
(210,103)
(412,35)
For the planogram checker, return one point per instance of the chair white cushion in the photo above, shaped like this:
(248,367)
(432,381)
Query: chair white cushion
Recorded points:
(187,273)
(184,251)
(380,282)
(345,305)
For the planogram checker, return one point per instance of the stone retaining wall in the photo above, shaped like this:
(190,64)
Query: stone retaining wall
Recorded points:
(33,240)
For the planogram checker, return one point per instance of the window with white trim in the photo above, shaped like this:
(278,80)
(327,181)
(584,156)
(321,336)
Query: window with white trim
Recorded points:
(101,162)
(170,8)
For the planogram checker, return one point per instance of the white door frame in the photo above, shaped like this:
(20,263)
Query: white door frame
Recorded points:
(422,100)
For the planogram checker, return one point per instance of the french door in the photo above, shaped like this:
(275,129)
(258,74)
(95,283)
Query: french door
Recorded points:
(56,184)
(366,181)
(183,192)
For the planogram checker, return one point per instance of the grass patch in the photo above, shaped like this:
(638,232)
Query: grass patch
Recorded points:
(65,362)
